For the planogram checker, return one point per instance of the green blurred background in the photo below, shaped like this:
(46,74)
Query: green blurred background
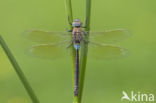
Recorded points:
(105,80)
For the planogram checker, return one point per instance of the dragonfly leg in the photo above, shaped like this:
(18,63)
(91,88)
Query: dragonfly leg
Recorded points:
(85,33)
(86,41)
(84,27)
(70,30)
(69,21)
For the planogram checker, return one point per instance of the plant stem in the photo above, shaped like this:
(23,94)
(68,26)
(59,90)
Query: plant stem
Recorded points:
(84,50)
(73,52)
(88,15)
(19,72)
(68,6)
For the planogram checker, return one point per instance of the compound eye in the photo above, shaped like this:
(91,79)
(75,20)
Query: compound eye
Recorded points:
(76,24)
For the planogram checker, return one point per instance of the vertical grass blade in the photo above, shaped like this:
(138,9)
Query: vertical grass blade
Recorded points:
(19,72)
(84,50)
(68,6)
(88,15)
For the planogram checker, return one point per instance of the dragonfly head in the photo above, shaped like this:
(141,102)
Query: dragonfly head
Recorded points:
(77,23)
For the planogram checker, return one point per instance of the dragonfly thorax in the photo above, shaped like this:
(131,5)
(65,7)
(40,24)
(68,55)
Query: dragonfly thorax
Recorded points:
(77,37)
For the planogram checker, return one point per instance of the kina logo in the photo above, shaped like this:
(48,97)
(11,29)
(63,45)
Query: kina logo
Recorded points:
(137,97)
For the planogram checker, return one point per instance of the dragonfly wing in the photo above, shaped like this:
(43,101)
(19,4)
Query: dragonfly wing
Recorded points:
(104,51)
(109,36)
(47,51)
(47,37)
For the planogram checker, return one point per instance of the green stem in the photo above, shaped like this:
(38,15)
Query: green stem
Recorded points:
(70,20)
(19,72)
(68,6)
(84,50)
(88,15)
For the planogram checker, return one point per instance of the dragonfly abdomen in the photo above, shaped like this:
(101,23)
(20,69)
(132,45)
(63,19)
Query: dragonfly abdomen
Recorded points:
(77,46)
(76,88)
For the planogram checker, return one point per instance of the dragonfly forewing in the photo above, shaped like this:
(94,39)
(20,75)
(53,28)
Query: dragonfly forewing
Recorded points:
(109,36)
(47,37)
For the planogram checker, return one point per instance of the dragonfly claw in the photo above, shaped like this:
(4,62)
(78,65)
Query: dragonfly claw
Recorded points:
(69,30)
(84,27)
(69,21)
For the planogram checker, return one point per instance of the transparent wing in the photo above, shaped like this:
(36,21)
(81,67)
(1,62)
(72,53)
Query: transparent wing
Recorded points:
(102,51)
(48,51)
(109,36)
(47,37)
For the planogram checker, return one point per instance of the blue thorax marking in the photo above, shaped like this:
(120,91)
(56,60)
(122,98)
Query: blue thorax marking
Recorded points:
(77,46)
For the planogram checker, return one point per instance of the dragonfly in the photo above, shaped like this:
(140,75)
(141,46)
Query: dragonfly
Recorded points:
(53,44)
